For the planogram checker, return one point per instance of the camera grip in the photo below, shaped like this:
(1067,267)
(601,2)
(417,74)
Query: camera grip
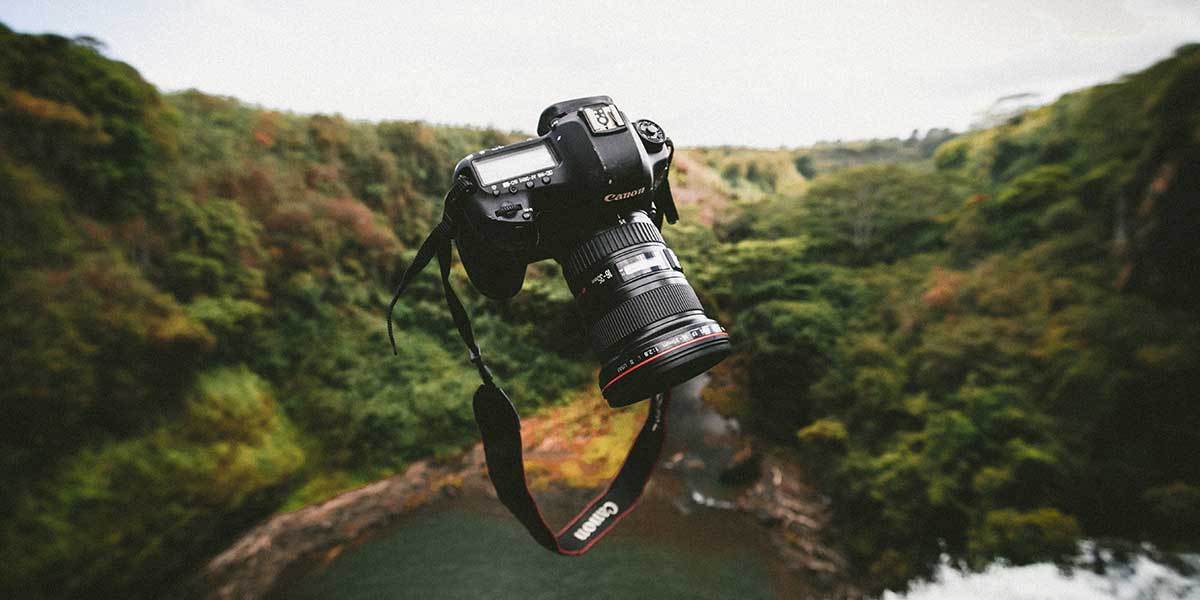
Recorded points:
(494,272)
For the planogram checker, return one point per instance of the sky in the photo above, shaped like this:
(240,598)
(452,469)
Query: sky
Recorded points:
(746,73)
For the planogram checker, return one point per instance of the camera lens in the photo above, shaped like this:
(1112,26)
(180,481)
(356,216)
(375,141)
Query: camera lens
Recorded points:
(642,316)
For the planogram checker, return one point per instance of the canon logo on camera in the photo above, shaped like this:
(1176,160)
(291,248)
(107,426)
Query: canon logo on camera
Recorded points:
(624,195)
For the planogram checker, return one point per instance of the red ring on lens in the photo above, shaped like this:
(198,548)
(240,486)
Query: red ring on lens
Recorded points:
(660,355)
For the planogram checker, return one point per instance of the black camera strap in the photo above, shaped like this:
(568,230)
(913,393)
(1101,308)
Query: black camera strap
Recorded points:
(500,425)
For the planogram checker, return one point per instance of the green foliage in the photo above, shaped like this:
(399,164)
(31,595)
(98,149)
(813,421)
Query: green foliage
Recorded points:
(837,155)
(33,222)
(751,173)
(804,165)
(193,332)
(90,348)
(989,359)
(792,344)
(215,250)
(112,517)
(1176,509)
(952,155)
(1026,537)
(879,212)
(1163,256)
(91,123)
(1022,204)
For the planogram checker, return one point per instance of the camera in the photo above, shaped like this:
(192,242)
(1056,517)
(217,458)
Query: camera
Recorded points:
(591,192)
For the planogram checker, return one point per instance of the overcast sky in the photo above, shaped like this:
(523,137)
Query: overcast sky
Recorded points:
(745,73)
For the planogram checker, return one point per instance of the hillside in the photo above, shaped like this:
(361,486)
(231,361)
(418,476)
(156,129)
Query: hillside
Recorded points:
(984,345)
(193,325)
(713,177)
(990,355)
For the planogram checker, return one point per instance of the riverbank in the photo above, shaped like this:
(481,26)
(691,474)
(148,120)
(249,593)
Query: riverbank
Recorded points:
(570,450)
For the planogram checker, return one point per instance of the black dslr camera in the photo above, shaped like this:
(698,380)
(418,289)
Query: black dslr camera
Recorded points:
(591,192)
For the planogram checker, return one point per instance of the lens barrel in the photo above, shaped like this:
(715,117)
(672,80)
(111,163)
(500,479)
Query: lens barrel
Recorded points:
(642,316)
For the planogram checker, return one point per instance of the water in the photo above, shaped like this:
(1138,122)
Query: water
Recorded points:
(469,547)
(705,438)
(1140,577)
(461,554)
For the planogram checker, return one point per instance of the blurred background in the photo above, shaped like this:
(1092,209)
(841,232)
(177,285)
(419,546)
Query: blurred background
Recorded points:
(955,247)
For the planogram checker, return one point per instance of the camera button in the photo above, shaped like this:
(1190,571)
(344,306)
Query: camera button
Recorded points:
(529,184)
(508,210)
(512,189)
(528,214)
(545,179)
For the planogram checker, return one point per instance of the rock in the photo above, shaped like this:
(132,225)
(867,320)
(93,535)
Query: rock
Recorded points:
(673,462)
(796,518)
(766,519)
(745,467)
(250,568)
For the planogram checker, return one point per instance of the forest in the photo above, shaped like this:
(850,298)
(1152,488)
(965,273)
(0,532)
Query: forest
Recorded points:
(982,344)
(991,354)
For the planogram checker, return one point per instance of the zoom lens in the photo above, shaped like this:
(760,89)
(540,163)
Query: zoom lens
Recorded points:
(642,316)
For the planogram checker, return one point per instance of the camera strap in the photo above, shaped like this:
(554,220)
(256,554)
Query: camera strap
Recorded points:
(500,425)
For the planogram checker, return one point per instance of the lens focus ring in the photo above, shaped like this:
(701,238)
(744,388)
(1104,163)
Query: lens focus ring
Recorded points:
(604,244)
(642,310)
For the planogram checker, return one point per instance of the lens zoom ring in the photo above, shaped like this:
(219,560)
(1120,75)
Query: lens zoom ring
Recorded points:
(642,310)
(605,243)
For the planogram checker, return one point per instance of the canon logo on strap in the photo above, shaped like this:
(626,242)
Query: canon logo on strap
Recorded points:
(624,195)
(599,516)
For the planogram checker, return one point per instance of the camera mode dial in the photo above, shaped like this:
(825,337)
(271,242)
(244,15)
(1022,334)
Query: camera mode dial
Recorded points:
(652,135)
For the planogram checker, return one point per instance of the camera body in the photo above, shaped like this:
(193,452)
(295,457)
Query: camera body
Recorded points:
(592,193)
(589,168)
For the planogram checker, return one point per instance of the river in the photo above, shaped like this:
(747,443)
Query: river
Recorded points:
(672,546)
